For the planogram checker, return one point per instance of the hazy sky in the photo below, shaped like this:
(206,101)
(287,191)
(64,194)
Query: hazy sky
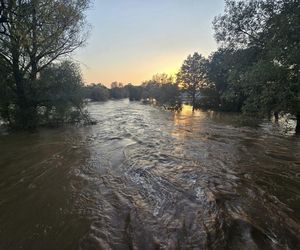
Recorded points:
(131,40)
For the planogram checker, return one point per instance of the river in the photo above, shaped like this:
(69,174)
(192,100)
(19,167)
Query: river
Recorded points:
(145,178)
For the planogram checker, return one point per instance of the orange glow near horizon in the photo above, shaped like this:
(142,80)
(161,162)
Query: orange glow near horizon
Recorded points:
(169,65)
(132,40)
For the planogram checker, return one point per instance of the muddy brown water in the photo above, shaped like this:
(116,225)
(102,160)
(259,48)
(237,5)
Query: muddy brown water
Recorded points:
(144,178)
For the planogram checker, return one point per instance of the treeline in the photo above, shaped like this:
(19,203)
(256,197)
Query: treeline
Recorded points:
(256,69)
(35,88)
(161,89)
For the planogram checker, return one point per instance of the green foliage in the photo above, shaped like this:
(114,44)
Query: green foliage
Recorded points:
(192,75)
(60,94)
(6,91)
(163,90)
(96,92)
(169,94)
(134,92)
(28,46)
(270,89)
(56,98)
(118,92)
(162,78)
(243,23)
(51,29)
(257,70)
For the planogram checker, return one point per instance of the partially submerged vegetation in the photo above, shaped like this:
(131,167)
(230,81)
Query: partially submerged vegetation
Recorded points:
(161,89)
(255,71)
(35,88)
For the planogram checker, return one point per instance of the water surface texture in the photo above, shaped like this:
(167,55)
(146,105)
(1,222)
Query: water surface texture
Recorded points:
(144,178)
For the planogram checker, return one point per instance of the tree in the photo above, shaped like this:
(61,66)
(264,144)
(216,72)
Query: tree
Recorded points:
(114,85)
(163,90)
(270,90)
(270,81)
(244,22)
(276,75)
(134,92)
(38,32)
(192,75)
(6,92)
(59,92)
(97,92)
(169,94)
(219,68)
(117,91)
(162,78)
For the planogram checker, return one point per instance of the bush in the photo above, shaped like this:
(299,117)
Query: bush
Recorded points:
(96,92)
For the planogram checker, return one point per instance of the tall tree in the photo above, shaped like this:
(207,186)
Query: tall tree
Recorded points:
(163,90)
(244,22)
(276,74)
(192,75)
(271,27)
(37,32)
(226,69)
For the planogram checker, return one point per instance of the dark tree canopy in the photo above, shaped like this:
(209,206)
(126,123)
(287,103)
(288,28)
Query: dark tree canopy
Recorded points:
(192,75)
(33,35)
(96,92)
(257,68)
(244,22)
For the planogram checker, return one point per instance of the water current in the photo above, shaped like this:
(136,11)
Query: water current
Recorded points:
(146,178)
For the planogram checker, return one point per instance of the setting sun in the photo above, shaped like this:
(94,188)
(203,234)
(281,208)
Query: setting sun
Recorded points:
(132,40)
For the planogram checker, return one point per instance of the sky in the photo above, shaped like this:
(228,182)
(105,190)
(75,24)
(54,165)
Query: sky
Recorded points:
(131,40)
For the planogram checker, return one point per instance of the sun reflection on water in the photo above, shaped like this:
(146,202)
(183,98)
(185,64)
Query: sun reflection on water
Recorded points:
(187,121)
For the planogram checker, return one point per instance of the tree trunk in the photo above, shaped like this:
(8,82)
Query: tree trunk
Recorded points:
(33,53)
(193,100)
(298,123)
(26,113)
(276,115)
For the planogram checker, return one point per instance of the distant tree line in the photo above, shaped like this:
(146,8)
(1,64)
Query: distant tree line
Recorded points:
(256,69)
(161,89)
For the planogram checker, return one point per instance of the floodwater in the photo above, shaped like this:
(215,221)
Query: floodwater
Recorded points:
(145,178)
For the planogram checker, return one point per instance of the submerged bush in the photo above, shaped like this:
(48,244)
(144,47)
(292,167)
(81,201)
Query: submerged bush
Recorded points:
(55,98)
(96,92)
